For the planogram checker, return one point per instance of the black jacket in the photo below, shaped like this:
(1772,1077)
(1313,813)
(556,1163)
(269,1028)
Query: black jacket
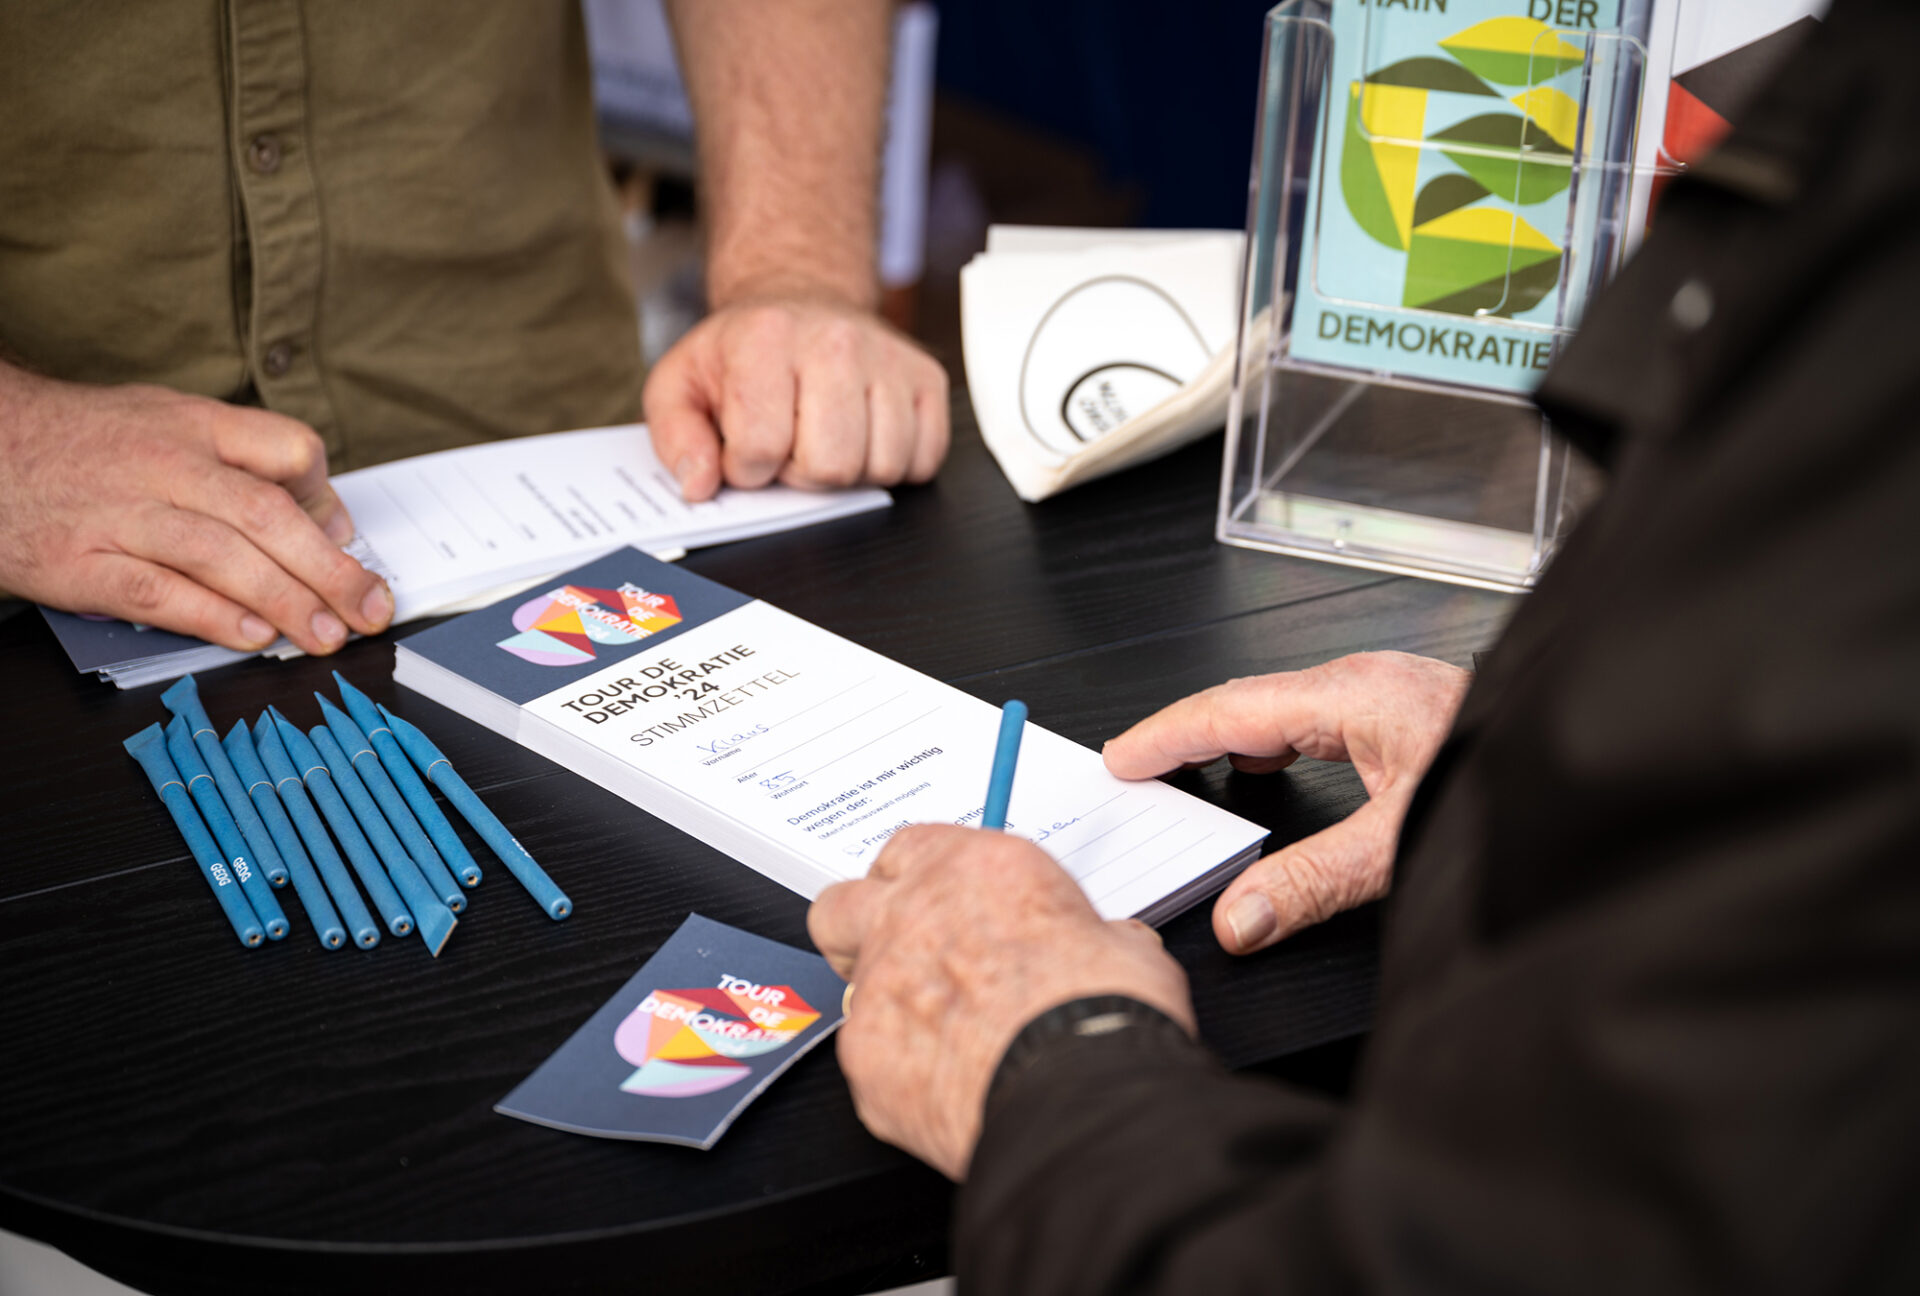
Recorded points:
(1650,1014)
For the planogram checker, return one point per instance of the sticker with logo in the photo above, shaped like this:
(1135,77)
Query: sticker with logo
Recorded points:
(561,627)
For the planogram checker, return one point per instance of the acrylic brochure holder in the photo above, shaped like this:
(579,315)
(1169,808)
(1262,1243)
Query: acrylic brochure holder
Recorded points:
(1434,199)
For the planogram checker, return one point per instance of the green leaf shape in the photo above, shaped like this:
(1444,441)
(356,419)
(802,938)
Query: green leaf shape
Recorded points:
(1518,168)
(1513,69)
(1462,278)
(1432,74)
(1360,182)
(1445,193)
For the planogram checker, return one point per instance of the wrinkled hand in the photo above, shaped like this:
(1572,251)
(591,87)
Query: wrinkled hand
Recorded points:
(955,940)
(179,512)
(810,391)
(1386,712)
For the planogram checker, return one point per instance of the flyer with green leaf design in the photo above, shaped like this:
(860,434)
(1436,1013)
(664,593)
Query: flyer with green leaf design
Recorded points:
(1439,210)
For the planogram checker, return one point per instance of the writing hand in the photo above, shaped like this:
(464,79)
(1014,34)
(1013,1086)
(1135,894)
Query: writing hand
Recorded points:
(1386,712)
(955,940)
(176,511)
(807,390)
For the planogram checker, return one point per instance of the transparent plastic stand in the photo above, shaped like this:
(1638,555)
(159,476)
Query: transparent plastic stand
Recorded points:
(1354,433)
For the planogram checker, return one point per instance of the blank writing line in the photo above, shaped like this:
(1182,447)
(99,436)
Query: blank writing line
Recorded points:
(1162,862)
(456,514)
(768,760)
(870,742)
(822,702)
(493,503)
(1108,833)
(1114,859)
(431,539)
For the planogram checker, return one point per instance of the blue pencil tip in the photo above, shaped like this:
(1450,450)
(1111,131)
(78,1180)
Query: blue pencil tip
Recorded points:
(436,925)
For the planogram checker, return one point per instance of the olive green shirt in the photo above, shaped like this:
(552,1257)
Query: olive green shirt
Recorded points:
(386,219)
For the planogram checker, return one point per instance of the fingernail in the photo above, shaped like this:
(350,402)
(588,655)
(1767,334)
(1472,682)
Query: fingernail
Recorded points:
(256,631)
(687,469)
(339,527)
(328,629)
(1252,921)
(377,608)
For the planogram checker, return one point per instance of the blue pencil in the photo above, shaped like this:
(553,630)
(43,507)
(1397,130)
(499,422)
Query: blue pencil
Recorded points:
(306,883)
(1006,754)
(293,797)
(366,763)
(434,920)
(439,771)
(149,747)
(186,760)
(394,761)
(183,699)
(313,772)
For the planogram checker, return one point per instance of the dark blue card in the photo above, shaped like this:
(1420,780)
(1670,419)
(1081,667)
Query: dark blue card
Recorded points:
(711,1020)
(613,608)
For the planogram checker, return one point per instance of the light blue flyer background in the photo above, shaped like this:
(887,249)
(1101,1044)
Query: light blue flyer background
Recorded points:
(1352,304)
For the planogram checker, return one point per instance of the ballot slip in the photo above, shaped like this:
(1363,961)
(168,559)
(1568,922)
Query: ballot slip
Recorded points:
(790,748)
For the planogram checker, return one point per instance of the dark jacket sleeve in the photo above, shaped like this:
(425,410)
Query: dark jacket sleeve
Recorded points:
(1129,1164)
(1650,1010)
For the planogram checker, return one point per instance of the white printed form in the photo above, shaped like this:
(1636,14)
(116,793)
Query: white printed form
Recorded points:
(827,750)
(441,526)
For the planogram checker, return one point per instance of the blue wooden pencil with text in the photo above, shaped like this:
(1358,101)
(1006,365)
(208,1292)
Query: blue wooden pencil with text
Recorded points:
(439,771)
(319,781)
(293,797)
(200,785)
(149,747)
(1006,754)
(306,883)
(366,766)
(368,717)
(183,699)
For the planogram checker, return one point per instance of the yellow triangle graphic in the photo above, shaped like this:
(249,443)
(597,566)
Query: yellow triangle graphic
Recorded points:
(1394,118)
(1553,111)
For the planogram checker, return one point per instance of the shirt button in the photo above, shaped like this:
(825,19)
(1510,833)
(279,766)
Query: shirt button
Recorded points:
(1692,306)
(277,360)
(263,155)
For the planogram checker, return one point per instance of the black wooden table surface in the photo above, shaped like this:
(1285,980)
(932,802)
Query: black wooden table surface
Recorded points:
(193,1116)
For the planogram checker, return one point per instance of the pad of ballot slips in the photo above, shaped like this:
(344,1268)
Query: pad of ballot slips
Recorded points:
(272,807)
(458,529)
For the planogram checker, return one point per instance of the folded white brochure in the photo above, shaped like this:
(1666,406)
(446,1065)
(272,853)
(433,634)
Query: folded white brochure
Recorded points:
(1088,351)
(790,748)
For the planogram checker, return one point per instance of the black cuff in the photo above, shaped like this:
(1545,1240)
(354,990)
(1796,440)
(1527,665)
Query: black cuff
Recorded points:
(1107,1022)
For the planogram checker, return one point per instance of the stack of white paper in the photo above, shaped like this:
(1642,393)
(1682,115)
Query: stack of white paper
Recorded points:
(1088,351)
(793,750)
(460,528)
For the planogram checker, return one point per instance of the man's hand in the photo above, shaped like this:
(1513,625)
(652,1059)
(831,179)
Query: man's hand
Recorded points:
(793,377)
(179,512)
(1386,712)
(954,941)
(805,389)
